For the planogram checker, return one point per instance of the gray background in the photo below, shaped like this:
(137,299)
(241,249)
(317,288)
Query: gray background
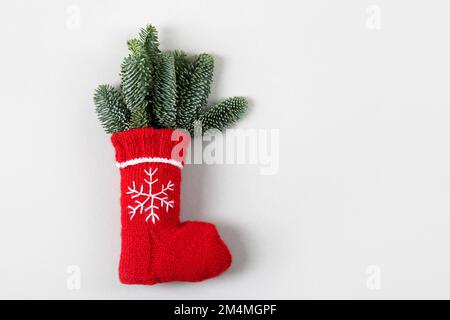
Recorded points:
(359,207)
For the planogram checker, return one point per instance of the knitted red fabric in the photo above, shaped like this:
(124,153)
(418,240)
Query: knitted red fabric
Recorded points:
(156,247)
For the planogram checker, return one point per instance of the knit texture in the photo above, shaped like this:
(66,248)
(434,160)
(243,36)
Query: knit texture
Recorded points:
(156,247)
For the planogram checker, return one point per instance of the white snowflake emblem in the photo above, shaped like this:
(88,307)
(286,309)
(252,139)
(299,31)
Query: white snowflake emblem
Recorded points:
(149,202)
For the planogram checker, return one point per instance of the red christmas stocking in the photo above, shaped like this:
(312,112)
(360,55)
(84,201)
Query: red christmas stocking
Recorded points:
(156,247)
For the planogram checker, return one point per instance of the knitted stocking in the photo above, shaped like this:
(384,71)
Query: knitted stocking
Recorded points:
(156,247)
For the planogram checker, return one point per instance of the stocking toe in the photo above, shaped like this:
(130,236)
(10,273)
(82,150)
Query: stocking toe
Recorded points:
(198,252)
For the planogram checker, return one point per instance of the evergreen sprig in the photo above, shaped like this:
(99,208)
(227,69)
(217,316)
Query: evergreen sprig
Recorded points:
(136,80)
(148,37)
(139,117)
(163,90)
(223,114)
(138,73)
(194,95)
(111,109)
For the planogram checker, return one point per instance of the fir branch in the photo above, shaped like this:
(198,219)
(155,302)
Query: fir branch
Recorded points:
(148,36)
(164,95)
(135,46)
(139,117)
(202,78)
(136,80)
(223,114)
(147,46)
(194,94)
(183,74)
(111,109)
(183,70)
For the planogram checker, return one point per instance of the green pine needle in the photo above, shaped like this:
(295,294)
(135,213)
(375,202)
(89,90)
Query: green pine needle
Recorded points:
(164,95)
(139,118)
(203,76)
(223,114)
(111,109)
(135,46)
(136,81)
(148,36)
(183,71)
(194,95)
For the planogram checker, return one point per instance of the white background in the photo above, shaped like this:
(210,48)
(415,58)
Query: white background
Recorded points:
(363,115)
